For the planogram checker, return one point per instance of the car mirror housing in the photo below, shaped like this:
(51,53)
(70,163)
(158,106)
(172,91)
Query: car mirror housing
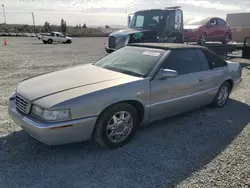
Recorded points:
(167,73)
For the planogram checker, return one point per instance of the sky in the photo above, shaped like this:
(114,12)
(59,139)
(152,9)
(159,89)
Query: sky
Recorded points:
(110,12)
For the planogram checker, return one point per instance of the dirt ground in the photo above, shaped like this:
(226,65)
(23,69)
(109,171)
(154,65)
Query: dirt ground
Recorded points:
(202,148)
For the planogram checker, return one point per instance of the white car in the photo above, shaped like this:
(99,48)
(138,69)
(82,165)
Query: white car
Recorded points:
(56,37)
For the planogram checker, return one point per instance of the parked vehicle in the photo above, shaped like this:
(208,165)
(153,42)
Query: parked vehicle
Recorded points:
(207,30)
(166,25)
(155,25)
(39,36)
(109,99)
(56,37)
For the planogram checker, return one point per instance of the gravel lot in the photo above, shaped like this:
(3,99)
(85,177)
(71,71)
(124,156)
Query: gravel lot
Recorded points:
(202,148)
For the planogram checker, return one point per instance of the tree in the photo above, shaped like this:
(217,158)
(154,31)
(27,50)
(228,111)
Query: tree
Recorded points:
(47,27)
(79,25)
(107,27)
(63,26)
(84,26)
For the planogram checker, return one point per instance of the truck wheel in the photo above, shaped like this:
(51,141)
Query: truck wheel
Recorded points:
(50,41)
(116,126)
(227,38)
(45,42)
(222,95)
(68,41)
(203,39)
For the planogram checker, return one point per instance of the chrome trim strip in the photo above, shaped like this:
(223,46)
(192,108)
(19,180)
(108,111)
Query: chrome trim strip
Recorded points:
(183,97)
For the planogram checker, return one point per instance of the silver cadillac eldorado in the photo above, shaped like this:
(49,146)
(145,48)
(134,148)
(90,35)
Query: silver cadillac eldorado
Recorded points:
(110,98)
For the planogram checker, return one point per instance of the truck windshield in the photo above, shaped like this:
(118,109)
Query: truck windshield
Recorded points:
(134,61)
(153,19)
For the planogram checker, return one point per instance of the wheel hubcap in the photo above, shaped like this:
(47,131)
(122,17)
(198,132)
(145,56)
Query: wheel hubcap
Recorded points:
(227,38)
(223,95)
(203,39)
(119,126)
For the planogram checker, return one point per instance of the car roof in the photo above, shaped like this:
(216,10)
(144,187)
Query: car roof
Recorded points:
(167,46)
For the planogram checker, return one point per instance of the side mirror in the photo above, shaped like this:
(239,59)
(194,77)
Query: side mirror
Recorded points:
(167,73)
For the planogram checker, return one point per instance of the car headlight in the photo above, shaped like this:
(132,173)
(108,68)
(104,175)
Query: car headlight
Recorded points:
(55,115)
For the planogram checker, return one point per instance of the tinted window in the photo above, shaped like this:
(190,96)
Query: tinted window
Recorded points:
(214,61)
(221,22)
(183,61)
(203,60)
(136,61)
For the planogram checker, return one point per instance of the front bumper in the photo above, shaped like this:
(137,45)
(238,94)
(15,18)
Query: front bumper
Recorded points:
(54,133)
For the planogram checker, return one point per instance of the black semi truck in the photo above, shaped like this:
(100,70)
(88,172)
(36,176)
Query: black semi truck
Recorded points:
(142,28)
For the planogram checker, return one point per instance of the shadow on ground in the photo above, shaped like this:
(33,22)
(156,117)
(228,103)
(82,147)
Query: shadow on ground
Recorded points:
(162,154)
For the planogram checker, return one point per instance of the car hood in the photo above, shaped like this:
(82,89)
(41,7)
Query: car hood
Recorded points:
(69,38)
(192,26)
(67,79)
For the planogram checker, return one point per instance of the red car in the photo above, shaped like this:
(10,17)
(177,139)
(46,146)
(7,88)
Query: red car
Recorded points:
(209,29)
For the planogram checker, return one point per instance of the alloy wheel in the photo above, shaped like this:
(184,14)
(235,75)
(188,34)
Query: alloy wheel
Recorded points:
(223,95)
(119,126)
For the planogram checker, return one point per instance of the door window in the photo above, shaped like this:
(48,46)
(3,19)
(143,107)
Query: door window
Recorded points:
(221,22)
(57,35)
(203,60)
(139,21)
(213,22)
(183,61)
(214,60)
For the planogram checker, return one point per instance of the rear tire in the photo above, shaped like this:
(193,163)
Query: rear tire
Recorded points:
(227,38)
(203,39)
(116,126)
(222,95)
(50,41)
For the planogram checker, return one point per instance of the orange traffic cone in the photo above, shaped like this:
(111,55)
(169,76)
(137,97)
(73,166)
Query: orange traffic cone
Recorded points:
(5,42)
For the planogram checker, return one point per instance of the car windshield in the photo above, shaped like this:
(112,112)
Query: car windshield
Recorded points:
(200,22)
(148,19)
(134,61)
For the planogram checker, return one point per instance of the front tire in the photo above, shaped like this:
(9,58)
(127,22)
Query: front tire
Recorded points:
(50,41)
(68,41)
(203,39)
(227,38)
(222,95)
(116,126)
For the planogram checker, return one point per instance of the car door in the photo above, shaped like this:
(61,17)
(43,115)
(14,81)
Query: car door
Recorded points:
(173,95)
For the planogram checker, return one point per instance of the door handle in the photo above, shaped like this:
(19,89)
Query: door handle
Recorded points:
(201,79)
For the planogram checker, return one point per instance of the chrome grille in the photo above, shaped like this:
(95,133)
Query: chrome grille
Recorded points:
(111,42)
(22,105)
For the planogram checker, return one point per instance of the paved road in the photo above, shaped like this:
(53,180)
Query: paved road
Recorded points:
(202,148)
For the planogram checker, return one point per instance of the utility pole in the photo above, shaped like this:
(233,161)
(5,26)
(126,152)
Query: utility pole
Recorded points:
(33,18)
(4,17)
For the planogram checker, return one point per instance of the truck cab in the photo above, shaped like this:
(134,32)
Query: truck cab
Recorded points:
(155,25)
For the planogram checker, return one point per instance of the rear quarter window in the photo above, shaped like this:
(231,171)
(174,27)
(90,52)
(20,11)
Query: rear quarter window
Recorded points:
(214,60)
